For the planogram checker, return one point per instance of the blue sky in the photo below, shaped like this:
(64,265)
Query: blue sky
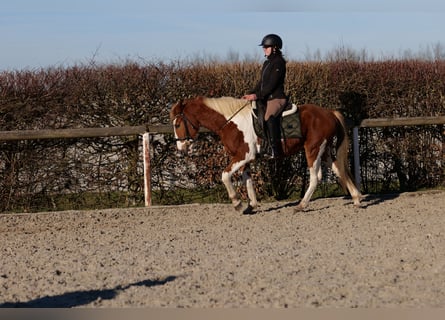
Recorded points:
(44,33)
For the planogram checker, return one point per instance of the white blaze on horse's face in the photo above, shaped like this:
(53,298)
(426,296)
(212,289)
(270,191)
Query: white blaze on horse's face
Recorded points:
(181,143)
(182,146)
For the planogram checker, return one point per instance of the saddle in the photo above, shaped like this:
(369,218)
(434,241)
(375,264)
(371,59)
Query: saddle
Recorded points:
(290,121)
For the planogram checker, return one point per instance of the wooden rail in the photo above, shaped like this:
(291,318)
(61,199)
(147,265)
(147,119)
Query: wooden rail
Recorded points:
(393,122)
(82,132)
(168,129)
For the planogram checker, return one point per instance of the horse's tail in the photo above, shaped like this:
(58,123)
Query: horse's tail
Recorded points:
(342,152)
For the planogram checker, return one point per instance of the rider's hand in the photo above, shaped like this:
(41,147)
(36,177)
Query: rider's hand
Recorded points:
(250,97)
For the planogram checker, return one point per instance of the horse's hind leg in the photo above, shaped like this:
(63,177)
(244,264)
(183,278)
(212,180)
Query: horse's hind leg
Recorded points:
(313,158)
(313,181)
(247,179)
(347,184)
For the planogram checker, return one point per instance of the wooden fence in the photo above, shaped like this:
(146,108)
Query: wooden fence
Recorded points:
(146,130)
(168,129)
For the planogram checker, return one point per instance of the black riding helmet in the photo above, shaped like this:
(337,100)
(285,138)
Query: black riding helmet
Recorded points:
(272,40)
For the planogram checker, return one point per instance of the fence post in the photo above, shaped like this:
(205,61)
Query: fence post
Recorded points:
(147,168)
(356,152)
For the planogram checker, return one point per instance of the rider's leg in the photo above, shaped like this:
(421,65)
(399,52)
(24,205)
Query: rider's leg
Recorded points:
(273,126)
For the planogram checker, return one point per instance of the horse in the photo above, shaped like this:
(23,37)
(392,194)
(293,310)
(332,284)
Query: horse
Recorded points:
(323,137)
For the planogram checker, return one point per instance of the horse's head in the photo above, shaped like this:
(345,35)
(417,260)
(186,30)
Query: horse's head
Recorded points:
(185,126)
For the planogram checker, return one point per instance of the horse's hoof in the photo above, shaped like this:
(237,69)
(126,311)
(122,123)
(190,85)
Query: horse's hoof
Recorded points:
(298,208)
(238,206)
(248,210)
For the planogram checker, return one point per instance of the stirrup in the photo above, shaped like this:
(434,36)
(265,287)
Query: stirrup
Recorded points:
(276,153)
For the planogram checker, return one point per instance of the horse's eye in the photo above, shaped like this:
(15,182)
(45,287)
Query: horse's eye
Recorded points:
(177,126)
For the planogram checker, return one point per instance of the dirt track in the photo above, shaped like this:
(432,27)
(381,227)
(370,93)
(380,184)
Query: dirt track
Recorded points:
(389,253)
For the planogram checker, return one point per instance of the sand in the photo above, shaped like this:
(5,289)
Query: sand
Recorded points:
(390,253)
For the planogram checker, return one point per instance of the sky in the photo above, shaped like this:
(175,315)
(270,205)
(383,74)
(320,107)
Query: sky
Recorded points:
(52,33)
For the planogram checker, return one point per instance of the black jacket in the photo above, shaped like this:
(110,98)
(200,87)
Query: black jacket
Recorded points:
(271,84)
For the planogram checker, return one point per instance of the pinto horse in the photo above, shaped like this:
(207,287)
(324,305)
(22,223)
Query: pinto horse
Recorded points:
(323,138)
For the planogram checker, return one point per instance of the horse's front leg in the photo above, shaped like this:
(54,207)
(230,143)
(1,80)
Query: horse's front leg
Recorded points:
(227,180)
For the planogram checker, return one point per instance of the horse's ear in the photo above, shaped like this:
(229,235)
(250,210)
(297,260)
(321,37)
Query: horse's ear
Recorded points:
(174,109)
(178,104)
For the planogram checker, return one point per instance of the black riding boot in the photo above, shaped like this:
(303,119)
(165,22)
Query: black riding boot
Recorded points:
(261,110)
(273,126)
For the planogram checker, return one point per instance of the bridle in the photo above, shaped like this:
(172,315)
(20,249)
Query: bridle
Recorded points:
(186,121)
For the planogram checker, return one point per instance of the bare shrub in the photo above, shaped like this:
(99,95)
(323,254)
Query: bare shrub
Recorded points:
(108,171)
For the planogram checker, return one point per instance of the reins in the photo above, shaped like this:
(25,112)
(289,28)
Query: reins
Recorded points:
(187,121)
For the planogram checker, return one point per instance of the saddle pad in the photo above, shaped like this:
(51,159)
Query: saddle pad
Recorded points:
(290,124)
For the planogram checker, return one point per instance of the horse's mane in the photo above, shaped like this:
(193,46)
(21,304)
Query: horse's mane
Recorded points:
(227,106)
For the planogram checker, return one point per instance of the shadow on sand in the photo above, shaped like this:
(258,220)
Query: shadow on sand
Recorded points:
(80,298)
(367,201)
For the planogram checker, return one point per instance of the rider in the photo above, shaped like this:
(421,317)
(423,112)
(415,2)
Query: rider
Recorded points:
(269,91)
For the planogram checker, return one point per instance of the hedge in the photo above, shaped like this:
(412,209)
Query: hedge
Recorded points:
(105,172)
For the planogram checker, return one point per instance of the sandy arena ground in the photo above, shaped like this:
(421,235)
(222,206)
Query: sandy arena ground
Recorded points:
(390,253)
